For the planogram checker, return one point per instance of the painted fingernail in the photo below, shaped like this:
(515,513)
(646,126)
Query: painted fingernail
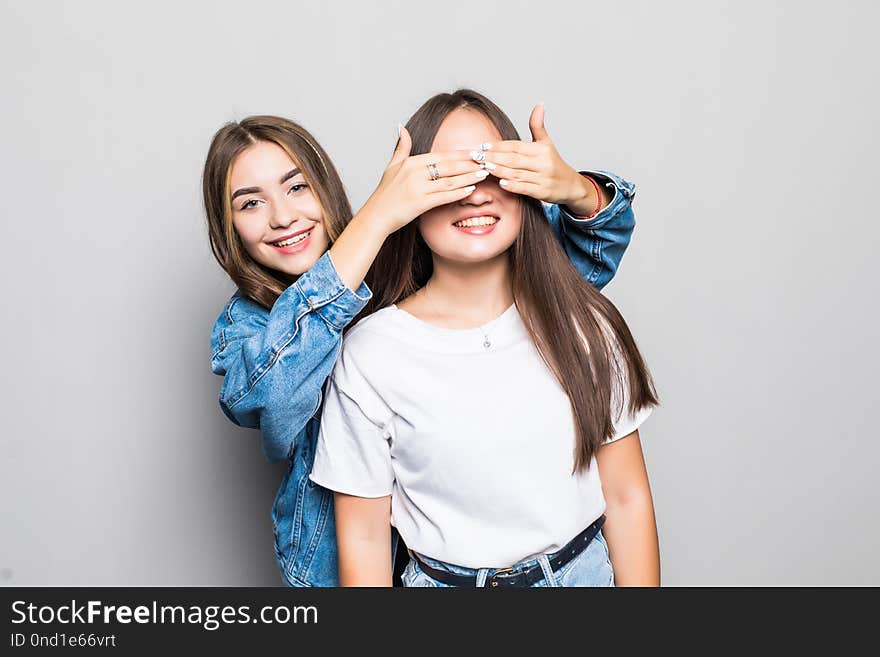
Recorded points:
(489,165)
(485,146)
(470,189)
(503,183)
(482,173)
(478,156)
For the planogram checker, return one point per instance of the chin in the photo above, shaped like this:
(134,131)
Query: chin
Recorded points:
(294,265)
(302,264)
(472,257)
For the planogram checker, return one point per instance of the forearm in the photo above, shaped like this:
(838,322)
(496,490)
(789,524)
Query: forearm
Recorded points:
(631,533)
(356,248)
(365,561)
(363,539)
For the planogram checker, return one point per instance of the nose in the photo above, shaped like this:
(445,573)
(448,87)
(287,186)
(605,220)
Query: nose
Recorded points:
(481,195)
(282,215)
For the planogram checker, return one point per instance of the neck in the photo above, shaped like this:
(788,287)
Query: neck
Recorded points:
(467,295)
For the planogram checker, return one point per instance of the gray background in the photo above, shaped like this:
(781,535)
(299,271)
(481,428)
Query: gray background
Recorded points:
(749,128)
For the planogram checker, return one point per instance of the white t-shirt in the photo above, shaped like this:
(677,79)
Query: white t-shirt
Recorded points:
(475,445)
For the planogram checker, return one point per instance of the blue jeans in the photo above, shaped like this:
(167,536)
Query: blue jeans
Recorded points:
(592,567)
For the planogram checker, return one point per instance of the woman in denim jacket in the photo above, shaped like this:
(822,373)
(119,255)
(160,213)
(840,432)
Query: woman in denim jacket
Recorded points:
(281,226)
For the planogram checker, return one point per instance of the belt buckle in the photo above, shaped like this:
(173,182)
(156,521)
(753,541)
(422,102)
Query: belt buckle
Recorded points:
(491,580)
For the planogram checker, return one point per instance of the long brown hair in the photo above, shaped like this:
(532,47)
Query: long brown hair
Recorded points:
(561,312)
(260,283)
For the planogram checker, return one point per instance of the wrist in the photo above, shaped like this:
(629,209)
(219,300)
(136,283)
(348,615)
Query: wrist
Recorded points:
(586,201)
(374,221)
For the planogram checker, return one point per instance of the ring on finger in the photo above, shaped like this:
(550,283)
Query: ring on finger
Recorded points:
(433,171)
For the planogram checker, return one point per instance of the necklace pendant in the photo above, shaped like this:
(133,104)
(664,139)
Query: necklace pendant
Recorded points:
(486,343)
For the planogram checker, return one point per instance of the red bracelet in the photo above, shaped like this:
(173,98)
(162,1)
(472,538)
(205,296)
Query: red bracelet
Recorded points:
(598,200)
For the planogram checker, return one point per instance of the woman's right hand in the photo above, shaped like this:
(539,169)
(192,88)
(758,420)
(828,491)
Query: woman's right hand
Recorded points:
(406,189)
(405,192)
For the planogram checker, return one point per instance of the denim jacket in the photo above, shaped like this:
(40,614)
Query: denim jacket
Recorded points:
(275,363)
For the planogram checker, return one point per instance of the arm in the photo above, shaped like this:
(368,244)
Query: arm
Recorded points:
(594,232)
(596,246)
(630,528)
(404,192)
(353,458)
(363,537)
(274,363)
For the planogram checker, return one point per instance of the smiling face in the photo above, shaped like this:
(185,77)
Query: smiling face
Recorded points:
(483,225)
(274,210)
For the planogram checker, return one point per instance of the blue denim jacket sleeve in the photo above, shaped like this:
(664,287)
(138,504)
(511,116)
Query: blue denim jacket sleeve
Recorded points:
(596,246)
(274,363)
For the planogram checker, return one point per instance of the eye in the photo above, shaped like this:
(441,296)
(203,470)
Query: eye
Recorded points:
(297,187)
(247,205)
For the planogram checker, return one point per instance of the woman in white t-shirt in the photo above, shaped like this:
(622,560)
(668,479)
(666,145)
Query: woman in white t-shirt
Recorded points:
(477,408)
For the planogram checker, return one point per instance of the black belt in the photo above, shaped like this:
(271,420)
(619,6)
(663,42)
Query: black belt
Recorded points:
(526,577)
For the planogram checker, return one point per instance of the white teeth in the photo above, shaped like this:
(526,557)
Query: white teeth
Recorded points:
(293,240)
(476,221)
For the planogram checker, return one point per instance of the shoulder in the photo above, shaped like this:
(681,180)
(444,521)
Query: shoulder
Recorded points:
(369,345)
(379,326)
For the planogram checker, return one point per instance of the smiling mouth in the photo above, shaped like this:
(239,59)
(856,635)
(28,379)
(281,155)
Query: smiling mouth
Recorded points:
(294,239)
(474,222)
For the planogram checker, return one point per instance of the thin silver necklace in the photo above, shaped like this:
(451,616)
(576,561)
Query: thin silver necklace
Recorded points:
(487,343)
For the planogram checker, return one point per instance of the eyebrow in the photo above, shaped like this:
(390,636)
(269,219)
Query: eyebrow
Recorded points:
(253,190)
(287,176)
(243,191)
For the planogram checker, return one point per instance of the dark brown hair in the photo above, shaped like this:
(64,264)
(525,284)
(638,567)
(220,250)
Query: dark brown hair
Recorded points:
(260,283)
(560,310)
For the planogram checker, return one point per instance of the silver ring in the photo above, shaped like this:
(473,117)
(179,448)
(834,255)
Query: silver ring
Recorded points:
(478,156)
(433,171)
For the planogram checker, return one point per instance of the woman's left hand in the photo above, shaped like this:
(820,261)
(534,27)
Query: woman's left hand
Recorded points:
(536,169)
